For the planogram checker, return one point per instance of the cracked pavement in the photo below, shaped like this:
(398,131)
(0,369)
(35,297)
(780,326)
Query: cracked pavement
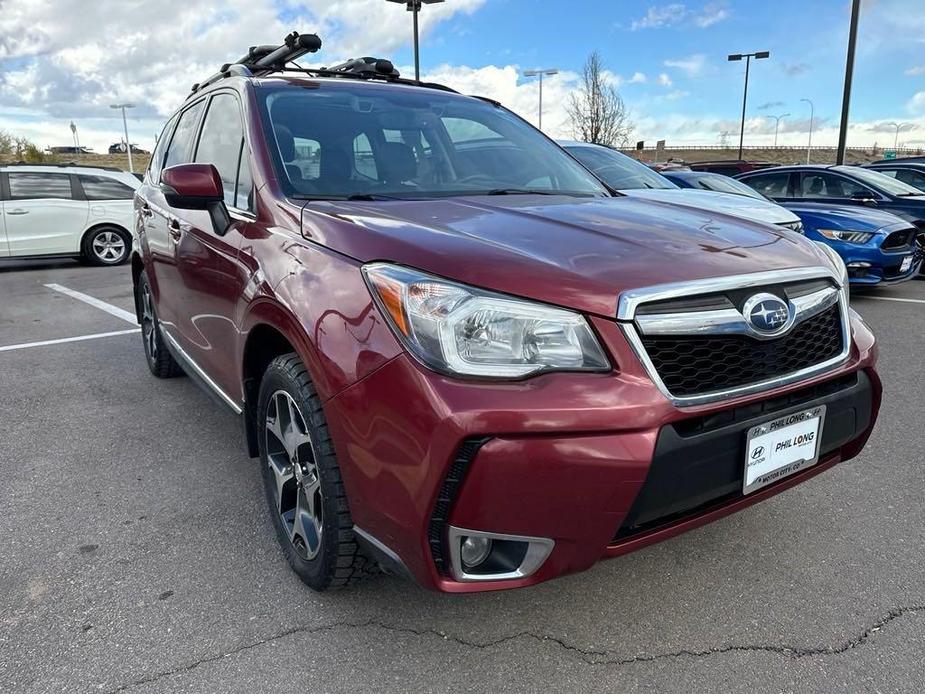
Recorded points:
(138,555)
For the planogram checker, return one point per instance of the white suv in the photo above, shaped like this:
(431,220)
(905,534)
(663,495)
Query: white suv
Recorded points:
(51,210)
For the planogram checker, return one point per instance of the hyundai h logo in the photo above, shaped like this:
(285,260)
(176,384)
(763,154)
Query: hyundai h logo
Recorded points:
(768,314)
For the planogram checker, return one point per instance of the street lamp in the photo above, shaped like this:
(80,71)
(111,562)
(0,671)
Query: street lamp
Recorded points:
(540,73)
(812,118)
(414,6)
(898,126)
(735,57)
(128,145)
(777,120)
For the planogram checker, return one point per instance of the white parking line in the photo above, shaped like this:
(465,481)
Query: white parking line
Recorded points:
(892,298)
(96,303)
(79,338)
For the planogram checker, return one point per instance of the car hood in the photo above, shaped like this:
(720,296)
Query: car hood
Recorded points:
(857,217)
(574,252)
(726,203)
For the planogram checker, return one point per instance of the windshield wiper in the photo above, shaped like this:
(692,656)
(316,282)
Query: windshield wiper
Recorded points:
(528,191)
(349,198)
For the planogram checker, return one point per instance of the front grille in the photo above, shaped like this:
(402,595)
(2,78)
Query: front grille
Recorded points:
(899,240)
(691,365)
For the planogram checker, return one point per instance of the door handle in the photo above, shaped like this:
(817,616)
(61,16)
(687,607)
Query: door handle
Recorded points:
(173,226)
(146,211)
(17,212)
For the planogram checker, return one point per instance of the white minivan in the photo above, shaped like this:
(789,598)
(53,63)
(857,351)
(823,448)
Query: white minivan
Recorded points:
(637,180)
(58,210)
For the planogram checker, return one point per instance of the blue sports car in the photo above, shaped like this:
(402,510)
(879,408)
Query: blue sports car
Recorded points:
(878,247)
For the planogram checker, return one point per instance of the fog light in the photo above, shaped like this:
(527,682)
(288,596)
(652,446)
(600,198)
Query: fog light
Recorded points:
(474,551)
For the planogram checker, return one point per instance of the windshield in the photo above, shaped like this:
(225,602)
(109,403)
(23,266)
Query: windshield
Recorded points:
(724,184)
(335,140)
(618,170)
(880,181)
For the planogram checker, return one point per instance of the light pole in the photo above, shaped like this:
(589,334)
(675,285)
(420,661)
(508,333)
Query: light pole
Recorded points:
(414,6)
(898,126)
(777,120)
(849,75)
(812,118)
(128,144)
(540,73)
(735,57)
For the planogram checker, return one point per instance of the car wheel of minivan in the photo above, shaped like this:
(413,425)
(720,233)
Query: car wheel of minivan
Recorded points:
(160,361)
(305,493)
(106,246)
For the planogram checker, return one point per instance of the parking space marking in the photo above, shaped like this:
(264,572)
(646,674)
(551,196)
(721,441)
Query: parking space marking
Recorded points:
(892,298)
(79,338)
(96,303)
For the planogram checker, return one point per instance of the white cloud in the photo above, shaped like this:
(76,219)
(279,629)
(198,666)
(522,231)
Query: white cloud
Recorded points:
(676,95)
(676,13)
(713,13)
(916,71)
(692,65)
(917,103)
(69,60)
(638,78)
(661,16)
(665,80)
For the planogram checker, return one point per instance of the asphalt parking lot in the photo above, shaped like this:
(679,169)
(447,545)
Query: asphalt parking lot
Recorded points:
(138,554)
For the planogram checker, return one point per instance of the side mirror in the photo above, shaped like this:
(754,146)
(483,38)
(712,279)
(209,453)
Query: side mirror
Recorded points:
(196,187)
(864,197)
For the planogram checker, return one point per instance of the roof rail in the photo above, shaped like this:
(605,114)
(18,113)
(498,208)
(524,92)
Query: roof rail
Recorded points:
(63,165)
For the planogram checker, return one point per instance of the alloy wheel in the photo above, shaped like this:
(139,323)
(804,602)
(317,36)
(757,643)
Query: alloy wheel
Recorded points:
(291,462)
(148,323)
(108,246)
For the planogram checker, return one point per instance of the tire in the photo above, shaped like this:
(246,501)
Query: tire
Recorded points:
(160,361)
(304,490)
(106,245)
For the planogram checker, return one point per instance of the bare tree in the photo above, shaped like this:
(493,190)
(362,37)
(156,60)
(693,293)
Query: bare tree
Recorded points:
(596,111)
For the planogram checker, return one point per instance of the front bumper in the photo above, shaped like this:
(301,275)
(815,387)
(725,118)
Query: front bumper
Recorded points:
(601,464)
(870,265)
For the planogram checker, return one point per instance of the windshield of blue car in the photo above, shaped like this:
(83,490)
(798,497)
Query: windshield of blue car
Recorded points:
(724,184)
(335,140)
(880,181)
(617,170)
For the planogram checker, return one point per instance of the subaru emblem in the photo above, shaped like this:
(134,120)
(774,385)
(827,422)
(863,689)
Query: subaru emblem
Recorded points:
(768,314)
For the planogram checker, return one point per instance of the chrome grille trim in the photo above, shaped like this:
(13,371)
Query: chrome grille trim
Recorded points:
(810,305)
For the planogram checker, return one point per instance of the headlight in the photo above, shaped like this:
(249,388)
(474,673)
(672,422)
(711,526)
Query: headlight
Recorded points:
(466,331)
(839,264)
(847,236)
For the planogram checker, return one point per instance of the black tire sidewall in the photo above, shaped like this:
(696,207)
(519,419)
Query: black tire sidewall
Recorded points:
(318,571)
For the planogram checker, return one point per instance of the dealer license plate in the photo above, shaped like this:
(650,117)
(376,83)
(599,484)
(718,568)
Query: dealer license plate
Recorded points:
(907,263)
(782,447)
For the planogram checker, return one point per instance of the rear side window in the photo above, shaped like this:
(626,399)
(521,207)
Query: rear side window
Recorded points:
(103,188)
(220,142)
(774,185)
(826,185)
(913,178)
(181,145)
(38,186)
(157,157)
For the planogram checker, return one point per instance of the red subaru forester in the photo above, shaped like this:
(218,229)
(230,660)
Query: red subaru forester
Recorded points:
(456,353)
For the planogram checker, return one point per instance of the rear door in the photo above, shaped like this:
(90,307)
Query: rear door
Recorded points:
(43,213)
(776,185)
(210,277)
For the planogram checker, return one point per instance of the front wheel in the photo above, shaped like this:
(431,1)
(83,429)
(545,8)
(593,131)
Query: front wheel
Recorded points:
(106,246)
(304,490)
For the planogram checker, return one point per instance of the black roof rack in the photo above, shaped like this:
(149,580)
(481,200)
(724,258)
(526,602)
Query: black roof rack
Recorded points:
(63,165)
(265,60)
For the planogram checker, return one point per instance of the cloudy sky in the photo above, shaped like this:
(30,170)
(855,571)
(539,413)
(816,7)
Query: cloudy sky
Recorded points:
(67,60)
